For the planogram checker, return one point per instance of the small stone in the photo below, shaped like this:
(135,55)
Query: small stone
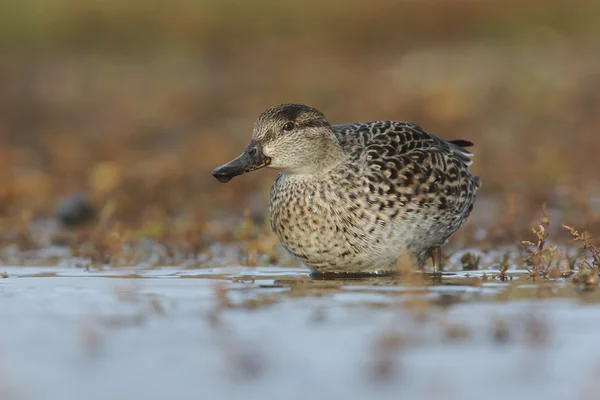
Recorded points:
(75,209)
(4,274)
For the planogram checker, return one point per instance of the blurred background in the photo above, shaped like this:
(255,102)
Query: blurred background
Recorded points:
(114,113)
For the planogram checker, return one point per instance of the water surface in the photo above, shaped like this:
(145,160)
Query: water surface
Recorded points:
(275,333)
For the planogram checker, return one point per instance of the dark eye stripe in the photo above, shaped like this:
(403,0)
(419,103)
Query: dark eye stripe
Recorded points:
(315,123)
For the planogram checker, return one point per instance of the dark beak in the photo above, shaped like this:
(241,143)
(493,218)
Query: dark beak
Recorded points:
(251,159)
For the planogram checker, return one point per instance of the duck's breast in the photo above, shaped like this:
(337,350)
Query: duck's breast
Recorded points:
(325,223)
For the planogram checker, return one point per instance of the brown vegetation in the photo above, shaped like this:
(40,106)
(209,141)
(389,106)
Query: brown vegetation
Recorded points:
(134,105)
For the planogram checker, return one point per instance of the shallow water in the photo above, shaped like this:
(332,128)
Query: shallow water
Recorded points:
(274,333)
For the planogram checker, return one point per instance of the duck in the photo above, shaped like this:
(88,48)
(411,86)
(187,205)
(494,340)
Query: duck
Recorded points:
(357,198)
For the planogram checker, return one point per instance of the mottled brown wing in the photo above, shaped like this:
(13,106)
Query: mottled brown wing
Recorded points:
(406,164)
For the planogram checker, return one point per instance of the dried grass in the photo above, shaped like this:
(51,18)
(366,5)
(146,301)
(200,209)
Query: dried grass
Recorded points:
(589,249)
(541,260)
(139,124)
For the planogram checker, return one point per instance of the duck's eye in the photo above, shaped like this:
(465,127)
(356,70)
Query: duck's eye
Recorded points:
(288,126)
(253,151)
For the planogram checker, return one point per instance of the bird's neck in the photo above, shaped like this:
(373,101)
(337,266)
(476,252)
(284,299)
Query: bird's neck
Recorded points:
(329,156)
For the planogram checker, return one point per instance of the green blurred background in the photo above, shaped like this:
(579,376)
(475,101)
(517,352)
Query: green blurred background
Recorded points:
(134,102)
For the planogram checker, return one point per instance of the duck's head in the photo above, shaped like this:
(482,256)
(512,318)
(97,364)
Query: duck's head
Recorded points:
(292,137)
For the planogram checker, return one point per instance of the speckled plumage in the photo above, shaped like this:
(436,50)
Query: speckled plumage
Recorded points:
(376,190)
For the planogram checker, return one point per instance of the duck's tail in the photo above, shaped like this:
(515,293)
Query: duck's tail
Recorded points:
(458,147)
(461,143)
